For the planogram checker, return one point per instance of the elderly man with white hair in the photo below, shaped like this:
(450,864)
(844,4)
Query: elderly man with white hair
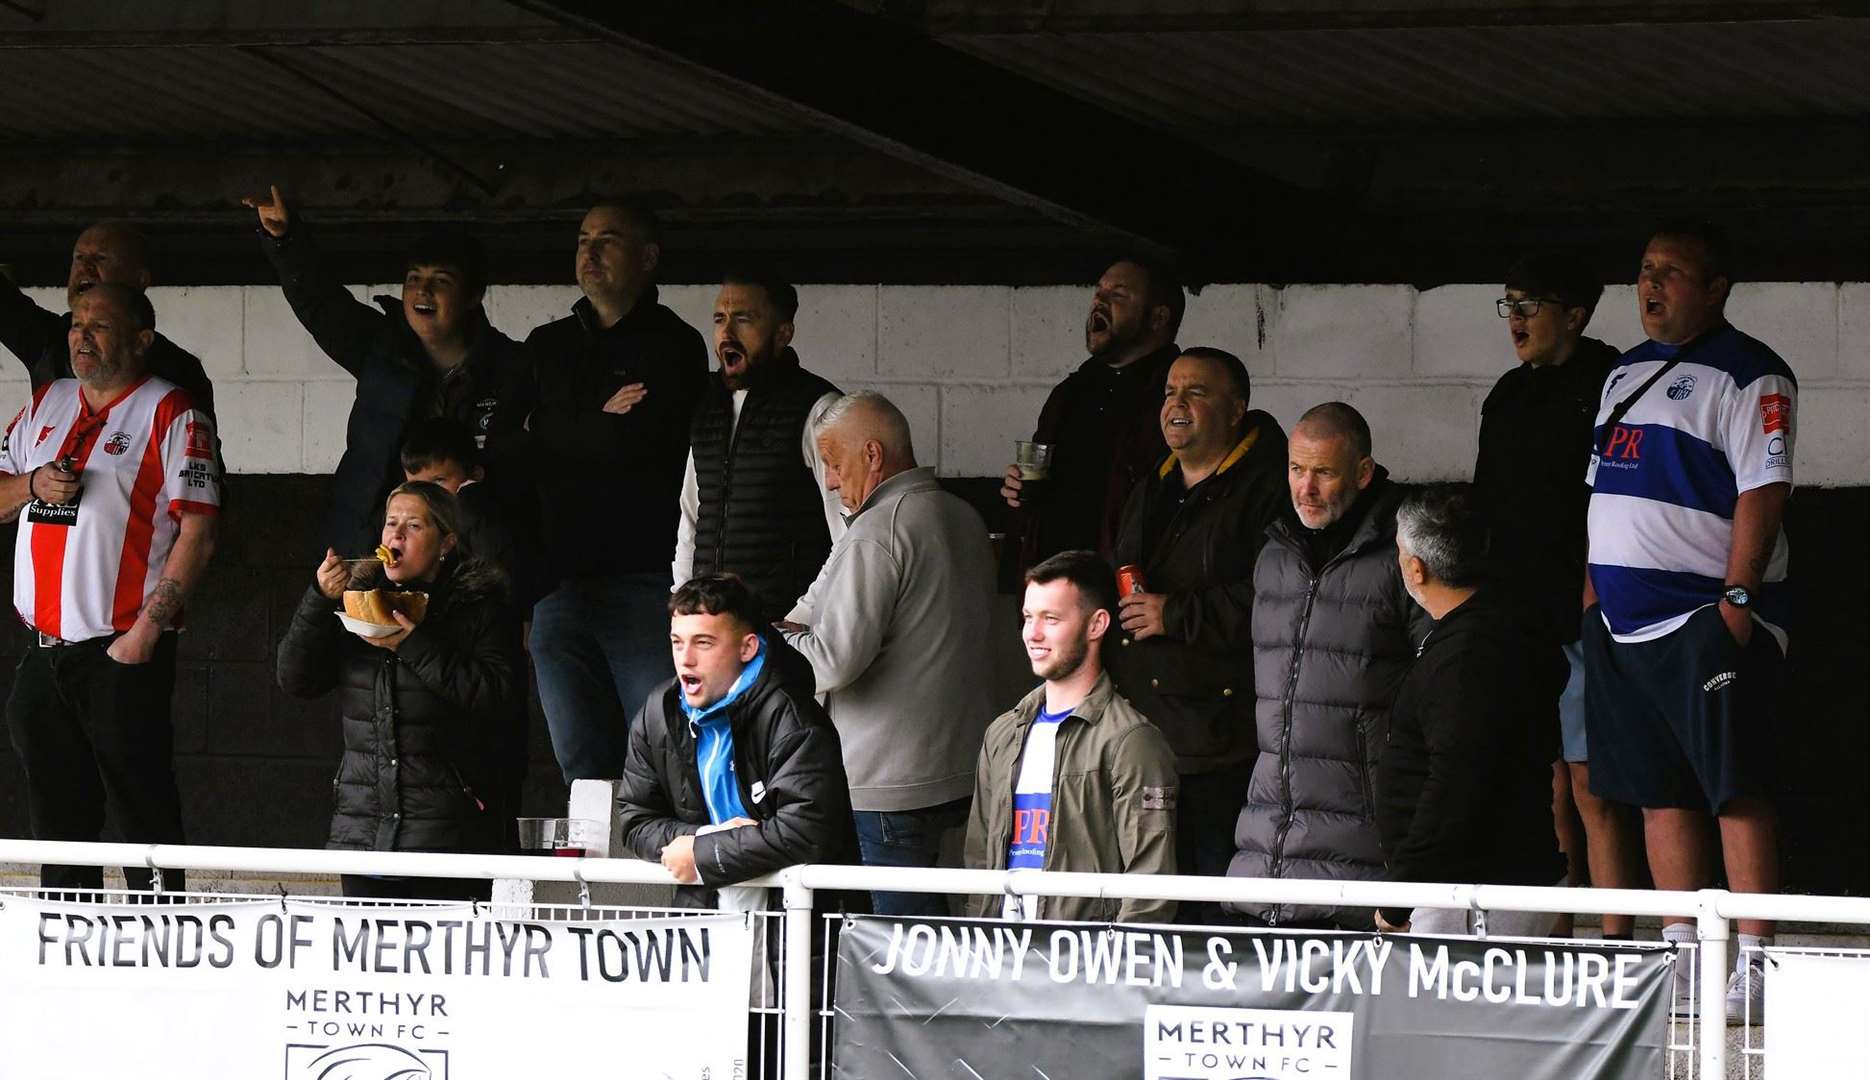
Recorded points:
(896,630)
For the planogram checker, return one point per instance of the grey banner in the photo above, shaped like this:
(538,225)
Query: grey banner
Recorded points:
(981,1000)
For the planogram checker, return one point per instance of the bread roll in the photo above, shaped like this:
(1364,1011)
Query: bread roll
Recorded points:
(377,606)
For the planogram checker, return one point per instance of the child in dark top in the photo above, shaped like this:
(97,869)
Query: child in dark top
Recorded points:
(499,518)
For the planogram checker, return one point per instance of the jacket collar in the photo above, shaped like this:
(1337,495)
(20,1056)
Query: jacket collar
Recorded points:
(1090,710)
(587,314)
(1239,451)
(1378,508)
(920,478)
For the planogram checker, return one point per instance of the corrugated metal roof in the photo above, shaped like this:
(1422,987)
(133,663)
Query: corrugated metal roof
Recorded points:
(1415,77)
(578,90)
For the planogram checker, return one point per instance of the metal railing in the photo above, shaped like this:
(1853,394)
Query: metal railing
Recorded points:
(1712,910)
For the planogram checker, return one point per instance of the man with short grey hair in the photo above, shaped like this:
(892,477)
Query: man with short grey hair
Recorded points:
(1334,633)
(1461,788)
(896,630)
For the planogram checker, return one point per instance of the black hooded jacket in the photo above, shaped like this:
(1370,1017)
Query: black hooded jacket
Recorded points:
(1195,680)
(434,732)
(788,761)
(1463,790)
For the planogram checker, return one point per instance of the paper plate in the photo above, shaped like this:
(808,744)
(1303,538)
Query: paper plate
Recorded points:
(366,629)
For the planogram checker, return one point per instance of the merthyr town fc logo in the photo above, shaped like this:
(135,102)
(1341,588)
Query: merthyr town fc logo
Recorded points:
(366,1035)
(364,1061)
(1182,1042)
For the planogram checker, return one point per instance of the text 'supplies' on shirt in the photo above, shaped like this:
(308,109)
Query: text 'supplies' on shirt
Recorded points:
(1032,806)
(1665,479)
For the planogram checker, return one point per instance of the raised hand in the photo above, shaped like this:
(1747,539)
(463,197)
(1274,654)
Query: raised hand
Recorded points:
(275,217)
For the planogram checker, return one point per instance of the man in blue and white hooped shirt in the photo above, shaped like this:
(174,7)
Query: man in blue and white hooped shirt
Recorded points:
(1690,473)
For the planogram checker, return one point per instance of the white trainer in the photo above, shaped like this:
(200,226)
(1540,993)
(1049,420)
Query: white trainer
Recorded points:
(1746,990)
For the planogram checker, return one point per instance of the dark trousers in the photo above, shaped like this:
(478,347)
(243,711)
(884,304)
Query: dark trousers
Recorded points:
(96,741)
(599,646)
(1206,809)
(907,838)
(358,886)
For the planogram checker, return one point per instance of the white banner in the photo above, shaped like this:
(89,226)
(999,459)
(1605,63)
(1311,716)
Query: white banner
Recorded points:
(308,991)
(1815,1016)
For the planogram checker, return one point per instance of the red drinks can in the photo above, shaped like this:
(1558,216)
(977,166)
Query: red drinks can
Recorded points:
(1129,580)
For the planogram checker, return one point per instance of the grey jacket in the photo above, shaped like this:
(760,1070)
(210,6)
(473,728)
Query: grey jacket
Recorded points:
(1330,650)
(898,639)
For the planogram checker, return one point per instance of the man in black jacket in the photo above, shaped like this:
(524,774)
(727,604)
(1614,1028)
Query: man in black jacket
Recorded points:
(1101,421)
(734,770)
(1535,426)
(1461,785)
(1185,656)
(615,383)
(432,353)
(754,501)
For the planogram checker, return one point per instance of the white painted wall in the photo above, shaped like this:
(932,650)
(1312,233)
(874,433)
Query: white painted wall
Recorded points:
(970,365)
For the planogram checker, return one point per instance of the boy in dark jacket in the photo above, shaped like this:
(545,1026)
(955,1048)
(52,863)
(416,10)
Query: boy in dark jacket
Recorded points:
(734,771)
(431,353)
(1461,786)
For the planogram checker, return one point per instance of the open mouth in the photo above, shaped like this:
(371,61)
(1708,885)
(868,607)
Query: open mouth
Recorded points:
(1521,337)
(1099,323)
(423,309)
(691,684)
(1180,422)
(83,285)
(1652,306)
(732,356)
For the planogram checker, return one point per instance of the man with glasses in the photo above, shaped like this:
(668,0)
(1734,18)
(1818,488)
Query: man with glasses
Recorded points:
(1535,428)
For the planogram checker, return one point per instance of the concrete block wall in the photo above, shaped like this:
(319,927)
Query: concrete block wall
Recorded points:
(971,365)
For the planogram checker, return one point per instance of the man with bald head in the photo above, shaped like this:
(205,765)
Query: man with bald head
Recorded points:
(109,252)
(1334,632)
(1184,656)
(896,630)
(113,478)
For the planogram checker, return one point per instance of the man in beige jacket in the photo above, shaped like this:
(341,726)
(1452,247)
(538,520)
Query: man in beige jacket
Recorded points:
(1073,778)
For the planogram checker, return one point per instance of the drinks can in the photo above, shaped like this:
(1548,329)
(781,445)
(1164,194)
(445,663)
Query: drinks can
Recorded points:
(1129,580)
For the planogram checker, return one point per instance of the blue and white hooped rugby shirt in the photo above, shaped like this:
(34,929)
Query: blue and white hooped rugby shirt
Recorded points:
(1664,482)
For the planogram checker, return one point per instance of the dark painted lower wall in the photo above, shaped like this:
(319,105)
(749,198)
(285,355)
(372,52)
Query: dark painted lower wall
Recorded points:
(255,765)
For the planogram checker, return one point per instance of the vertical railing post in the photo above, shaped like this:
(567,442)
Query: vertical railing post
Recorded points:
(800,1010)
(1711,935)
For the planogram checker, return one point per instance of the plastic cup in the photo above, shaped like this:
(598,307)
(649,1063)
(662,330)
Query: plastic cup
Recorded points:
(1034,460)
(570,838)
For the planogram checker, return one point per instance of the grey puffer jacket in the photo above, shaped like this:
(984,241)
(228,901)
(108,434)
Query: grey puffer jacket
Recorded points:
(1330,649)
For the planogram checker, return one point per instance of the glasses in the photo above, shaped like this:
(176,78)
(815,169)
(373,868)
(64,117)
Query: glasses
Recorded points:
(1526,308)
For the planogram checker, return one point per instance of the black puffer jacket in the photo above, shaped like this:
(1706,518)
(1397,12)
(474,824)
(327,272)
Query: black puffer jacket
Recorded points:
(396,383)
(429,729)
(1330,650)
(1195,682)
(791,771)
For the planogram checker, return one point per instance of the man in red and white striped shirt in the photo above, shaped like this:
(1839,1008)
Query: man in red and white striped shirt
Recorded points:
(115,483)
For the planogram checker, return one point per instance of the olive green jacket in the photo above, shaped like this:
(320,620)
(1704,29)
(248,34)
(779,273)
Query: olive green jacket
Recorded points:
(1114,787)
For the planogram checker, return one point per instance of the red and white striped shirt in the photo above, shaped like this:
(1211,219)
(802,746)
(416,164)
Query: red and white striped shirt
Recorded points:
(84,570)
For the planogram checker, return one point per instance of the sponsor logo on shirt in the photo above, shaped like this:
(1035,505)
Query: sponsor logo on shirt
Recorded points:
(1775,413)
(1720,680)
(118,443)
(1681,388)
(200,441)
(1626,444)
(1776,456)
(1614,380)
(64,515)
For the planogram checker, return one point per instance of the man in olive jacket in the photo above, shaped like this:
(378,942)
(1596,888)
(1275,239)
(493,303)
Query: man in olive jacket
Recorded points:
(734,771)
(1073,778)
(1184,654)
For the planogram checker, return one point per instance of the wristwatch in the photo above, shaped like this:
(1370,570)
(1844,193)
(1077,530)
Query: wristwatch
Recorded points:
(1738,596)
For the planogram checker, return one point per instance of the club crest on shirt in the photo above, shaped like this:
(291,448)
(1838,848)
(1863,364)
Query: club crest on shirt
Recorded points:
(1681,388)
(118,443)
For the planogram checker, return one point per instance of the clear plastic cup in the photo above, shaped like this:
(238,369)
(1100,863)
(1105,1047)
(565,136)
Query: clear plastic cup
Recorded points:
(571,838)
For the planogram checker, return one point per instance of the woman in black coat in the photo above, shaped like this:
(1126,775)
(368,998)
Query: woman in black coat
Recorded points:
(433,713)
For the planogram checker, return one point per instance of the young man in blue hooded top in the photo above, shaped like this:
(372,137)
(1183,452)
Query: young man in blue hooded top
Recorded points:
(733,770)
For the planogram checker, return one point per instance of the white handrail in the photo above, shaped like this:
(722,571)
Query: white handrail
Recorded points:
(1711,909)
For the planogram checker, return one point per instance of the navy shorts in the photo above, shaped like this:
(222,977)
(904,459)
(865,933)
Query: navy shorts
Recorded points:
(1684,720)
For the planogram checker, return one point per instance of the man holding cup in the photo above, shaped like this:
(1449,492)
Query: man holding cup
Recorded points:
(733,770)
(1097,434)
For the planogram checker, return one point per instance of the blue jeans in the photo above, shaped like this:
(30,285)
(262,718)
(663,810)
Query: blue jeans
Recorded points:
(907,838)
(599,646)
